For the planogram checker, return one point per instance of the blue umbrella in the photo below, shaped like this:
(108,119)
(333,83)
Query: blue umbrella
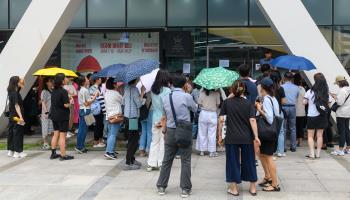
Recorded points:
(137,69)
(110,71)
(293,63)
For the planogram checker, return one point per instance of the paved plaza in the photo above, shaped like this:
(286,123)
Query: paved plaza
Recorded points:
(91,176)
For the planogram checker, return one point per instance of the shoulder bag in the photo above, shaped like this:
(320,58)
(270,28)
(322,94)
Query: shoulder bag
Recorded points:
(335,106)
(6,111)
(268,131)
(116,119)
(183,130)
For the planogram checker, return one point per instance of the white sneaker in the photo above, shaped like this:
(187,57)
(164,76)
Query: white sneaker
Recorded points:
(76,131)
(337,153)
(201,153)
(100,145)
(347,151)
(69,134)
(16,155)
(22,155)
(280,155)
(10,153)
(213,154)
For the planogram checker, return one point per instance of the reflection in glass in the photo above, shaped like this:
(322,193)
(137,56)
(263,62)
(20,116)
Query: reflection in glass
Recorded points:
(106,13)
(341,14)
(256,16)
(146,13)
(187,13)
(320,11)
(342,45)
(17,9)
(80,18)
(3,14)
(227,12)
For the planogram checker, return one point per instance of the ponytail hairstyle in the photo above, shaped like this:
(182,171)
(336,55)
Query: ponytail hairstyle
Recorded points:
(238,88)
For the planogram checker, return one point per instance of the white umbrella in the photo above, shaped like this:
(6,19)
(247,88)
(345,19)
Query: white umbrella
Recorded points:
(147,80)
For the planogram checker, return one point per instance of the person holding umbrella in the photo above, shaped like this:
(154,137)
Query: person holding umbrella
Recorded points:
(132,101)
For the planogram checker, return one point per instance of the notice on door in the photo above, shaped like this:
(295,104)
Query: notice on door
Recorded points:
(224,63)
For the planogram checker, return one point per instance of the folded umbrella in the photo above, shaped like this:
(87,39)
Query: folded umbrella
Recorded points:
(52,71)
(214,78)
(110,71)
(292,62)
(137,69)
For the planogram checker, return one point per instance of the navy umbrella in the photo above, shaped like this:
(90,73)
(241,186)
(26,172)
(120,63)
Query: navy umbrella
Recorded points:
(110,71)
(291,62)
(137,69)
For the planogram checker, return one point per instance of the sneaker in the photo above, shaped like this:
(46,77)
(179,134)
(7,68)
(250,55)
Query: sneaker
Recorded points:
(337,153)
(66,157)
(186,193)
(149,168)
(76,131)
(78,150)
(256,163)
(110,156)
(347,151)
(22,155)
(280,155)
(85,150)
(177,157)
(293,149)
(16,155)
(55,156)
(45,147)
(69,134)
(131,167)
(213,154)
(137,163)
(101,145)
(10,153)
(161,191)
(201,153)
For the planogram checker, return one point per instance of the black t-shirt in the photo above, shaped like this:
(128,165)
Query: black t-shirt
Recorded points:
(279,96)
(58,112)
(238,111)
(15,98)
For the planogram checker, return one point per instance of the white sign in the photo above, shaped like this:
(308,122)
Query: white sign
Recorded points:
(257,67)
(224,63)
(186,68)
(107,51)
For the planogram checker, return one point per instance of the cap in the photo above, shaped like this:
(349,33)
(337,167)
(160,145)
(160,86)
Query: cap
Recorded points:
(266,82)
(339,78)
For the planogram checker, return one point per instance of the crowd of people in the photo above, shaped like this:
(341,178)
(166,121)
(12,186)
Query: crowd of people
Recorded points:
(223,119)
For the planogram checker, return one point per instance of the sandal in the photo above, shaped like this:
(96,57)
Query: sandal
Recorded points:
(266,182)
(253,193)
(274,189)
(229,191)
(310,157)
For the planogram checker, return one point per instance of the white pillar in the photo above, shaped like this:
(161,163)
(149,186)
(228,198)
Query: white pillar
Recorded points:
(301,36)
(33,41)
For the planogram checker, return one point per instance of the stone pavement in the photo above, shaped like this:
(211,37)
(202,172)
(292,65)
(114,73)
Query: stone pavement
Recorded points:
(91,176)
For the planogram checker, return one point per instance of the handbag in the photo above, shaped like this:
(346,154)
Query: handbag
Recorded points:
(267,131)
(335,106)
(6,111)
(183,130)
(89,119)
(116,119)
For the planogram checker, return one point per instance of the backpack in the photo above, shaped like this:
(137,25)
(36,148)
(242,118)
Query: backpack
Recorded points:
(96,108)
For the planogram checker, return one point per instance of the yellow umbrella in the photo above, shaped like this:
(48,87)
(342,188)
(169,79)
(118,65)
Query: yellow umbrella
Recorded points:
(52,71)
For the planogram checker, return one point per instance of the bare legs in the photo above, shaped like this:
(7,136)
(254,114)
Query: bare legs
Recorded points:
(269,167)
(311,142)
(59,137)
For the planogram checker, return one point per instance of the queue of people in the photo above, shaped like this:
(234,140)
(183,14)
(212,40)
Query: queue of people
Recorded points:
(167,111)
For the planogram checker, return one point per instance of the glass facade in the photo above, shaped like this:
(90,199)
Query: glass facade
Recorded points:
(233,23)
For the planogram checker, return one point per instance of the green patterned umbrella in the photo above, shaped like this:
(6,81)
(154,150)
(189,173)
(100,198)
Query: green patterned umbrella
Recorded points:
(214,78)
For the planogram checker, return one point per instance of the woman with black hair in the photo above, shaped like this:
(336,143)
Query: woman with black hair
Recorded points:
(241,135)
(132,101)
(113,103)
(46,122)
(209,101)
(16,121)
(318,99)
(59,114)
(160,89)
(269,109)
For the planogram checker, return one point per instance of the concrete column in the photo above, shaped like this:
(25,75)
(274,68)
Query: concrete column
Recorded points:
(301,36)
(33,41)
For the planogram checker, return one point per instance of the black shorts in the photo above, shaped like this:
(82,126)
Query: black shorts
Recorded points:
(61,126)
(268,147)
(318,122)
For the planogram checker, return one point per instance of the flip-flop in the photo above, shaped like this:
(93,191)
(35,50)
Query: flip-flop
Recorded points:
(230,192)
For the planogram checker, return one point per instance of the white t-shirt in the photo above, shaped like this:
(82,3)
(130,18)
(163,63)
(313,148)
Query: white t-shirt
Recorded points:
(83,97)
(312,110)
